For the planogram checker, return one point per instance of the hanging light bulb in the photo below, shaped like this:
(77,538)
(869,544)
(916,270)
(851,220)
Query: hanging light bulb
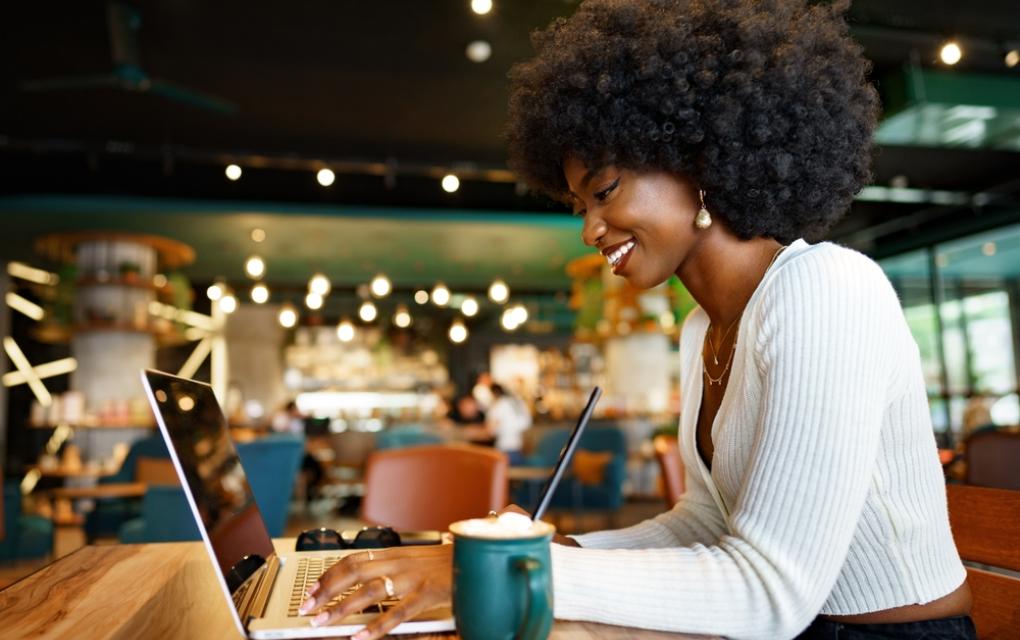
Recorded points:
(481,7)
(233,172)
(421,296)
(345,330)
(367,311)
(458,332)
(227,302)
(450,183)
(498,291)
(258,235)
(381,286)
(440,295)
(520,314)
(288,316)
(402,318)
(325,177)
(255,267)
(319,284)
(951,53)
(215,291)
(260,293)
(469,306)
(508,320)
(313,301)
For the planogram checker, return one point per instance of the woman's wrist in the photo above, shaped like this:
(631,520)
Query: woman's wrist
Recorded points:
(566,541)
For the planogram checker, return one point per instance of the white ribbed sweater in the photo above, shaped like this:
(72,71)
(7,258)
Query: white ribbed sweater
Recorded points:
(825,495)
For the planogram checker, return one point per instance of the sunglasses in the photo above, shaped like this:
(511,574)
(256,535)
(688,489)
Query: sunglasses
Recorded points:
(322,539)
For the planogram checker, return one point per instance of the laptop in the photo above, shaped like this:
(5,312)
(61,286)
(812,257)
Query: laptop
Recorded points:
(261,587)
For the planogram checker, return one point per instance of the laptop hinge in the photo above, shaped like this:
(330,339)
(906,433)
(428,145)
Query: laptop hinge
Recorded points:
(254,606)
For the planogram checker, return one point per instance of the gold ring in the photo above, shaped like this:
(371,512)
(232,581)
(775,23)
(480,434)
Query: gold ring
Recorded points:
(370,556)
(493,514)
(391,591)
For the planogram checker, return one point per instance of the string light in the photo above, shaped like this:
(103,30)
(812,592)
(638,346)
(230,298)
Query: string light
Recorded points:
(1012,58)
(481,7)
(233,172)
(508,320)
(255,267)
(441,295)
(288,316)
(421,296)
(313,301)
(951,53)
(381,286)
(402,318)
(499,292)
(227,302)
(260,294)
(458,332)
(367,311)
(450,183)
(345,330)
(319,284)
(258,235)
(325,177)
(469,306)
(478,51)
(215,291)
(520,314)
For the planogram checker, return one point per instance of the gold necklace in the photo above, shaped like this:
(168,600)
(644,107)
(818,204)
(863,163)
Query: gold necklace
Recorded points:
(733,349)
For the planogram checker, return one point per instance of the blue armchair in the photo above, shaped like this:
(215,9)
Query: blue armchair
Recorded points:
(165,517)
(110,513)
(572,493)
(405,435)
(25,536)
(272,465)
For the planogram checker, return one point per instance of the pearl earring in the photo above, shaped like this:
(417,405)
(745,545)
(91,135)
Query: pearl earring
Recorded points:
(704,219)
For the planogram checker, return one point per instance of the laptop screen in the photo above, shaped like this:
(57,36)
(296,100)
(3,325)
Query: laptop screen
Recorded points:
(196,433)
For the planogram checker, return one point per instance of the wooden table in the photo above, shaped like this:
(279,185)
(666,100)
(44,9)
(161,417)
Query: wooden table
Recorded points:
(160,591)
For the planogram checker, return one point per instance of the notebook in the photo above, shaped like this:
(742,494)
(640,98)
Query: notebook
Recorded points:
(261,587)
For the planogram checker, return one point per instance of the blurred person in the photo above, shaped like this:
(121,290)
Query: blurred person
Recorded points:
(288,419)
(482,390)
(507,420)
(977,415)
(705,139)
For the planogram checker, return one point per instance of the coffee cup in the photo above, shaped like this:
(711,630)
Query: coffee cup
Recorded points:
(502,578)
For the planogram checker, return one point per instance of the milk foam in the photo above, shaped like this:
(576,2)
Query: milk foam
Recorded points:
(505,526)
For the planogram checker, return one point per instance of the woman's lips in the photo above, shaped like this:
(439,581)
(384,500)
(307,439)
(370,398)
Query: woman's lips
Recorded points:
(618,254)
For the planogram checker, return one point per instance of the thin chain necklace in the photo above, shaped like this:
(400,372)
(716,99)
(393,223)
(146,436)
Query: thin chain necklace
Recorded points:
(733,349)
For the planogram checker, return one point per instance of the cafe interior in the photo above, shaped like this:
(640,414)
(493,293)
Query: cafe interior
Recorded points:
(307,206)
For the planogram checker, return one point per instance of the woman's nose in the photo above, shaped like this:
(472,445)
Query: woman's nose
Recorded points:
(593,230)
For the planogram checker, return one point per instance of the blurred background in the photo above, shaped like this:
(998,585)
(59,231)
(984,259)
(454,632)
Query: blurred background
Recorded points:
(308,206)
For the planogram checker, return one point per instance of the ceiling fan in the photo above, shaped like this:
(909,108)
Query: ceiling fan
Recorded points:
(124,21)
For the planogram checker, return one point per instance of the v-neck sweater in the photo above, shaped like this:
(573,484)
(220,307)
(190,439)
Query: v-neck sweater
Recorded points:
(826,494)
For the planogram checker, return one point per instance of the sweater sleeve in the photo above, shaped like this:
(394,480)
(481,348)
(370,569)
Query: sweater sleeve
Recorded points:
(694,519)
(821,349)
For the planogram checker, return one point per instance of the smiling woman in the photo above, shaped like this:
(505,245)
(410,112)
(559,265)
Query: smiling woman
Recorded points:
(706,139)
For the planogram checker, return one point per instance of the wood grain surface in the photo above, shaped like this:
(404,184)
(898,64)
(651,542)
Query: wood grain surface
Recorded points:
(161,591)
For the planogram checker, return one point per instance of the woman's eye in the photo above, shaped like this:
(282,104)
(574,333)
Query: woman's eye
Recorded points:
(602,195)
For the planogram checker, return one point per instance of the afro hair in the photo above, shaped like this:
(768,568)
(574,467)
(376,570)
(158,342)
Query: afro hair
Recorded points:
(765,104)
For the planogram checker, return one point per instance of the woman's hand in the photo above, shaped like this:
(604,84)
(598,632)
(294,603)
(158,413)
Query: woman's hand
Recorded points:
(421,578)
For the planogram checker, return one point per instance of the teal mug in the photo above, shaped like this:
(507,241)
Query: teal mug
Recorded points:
(502,584)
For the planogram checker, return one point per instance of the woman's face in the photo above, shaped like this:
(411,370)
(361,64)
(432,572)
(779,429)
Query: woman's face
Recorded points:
(641,221)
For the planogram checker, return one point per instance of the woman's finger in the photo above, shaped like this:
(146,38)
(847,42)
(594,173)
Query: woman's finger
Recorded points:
(372,591)
(410,606)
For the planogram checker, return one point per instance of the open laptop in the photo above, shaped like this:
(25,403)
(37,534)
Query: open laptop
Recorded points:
(263,588)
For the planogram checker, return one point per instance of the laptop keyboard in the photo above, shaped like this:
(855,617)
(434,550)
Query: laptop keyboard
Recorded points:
(308,571)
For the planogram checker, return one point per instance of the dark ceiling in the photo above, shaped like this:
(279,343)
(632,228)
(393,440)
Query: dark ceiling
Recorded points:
(387,82)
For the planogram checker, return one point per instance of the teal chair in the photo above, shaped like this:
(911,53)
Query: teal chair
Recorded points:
(111,513)
(405,435)
(165,517)
(272,464)
(25,536)
(571,493)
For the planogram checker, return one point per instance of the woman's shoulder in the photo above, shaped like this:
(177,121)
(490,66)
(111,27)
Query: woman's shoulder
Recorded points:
(831,267)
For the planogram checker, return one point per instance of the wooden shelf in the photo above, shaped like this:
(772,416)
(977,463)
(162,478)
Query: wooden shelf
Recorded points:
(62,334)
(96,426)
(60,247)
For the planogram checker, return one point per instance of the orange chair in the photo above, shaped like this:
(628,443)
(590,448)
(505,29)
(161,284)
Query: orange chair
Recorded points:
(431,486)
(986,526)
(667,452)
